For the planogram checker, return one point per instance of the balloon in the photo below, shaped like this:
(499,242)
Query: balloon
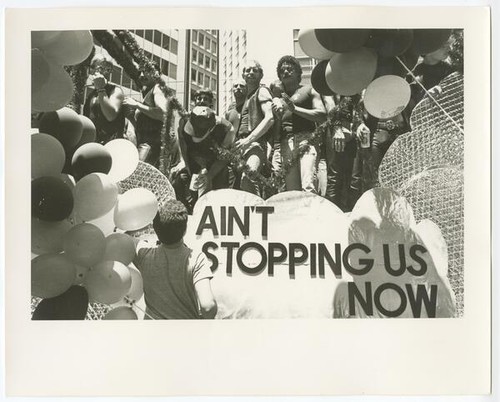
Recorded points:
(90,158)
(387,96)
(68,180)
(81,274)
(51,199)
(47,156)
(40,70)
(71,305)
(310,45)
(69,48)
(318,80)
(390,42)
(429,40)
(106,222)
(342,40)
(47,237)
(84,244)
(349,73)
(65,125)
(121,313)
(135,209)
(51,275)
(108,282)
(95,194)
(39,39)
(120,247)
(54,93)
(136,290)
(125,158)
(88,131)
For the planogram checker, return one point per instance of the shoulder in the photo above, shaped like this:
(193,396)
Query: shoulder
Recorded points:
(264,93)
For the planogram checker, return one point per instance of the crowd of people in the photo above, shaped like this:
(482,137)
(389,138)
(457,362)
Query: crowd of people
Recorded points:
(281,137)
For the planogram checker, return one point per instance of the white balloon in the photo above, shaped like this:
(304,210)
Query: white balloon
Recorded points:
(135,209)
(387,96)
(125,158)
(310,45)
(69,47)
(94,195)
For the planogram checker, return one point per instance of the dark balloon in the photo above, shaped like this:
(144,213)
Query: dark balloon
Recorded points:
(90,158)
(429,40)
(64,124)
(51,199)
(318,79)
(71,305)
(390,42)
(342,40)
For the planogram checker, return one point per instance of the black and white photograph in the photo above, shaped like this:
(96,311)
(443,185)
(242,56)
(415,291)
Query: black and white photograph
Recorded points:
(298,174)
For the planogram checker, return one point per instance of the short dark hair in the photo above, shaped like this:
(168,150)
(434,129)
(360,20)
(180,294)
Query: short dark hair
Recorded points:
(202,92)
(170,222)
(289,60)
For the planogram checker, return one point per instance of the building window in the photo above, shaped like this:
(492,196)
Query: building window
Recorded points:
(173,46)
(214,65)
(157,37)
(207,43)
(207,81)
(213,87)
(193,75)
(116,75)
(200,58)
(172,71)
(148,35)
(140,32)
(166,42)
(214,47)
(195,56)
(201,39)
(207,62)
(164,67)
(194,36)
(200,78)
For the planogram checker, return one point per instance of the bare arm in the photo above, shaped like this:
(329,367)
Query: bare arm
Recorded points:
(206,300)
(155,112)
(316,114)
(110,106)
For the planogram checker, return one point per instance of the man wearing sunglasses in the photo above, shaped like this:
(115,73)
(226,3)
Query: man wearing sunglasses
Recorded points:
(254,126)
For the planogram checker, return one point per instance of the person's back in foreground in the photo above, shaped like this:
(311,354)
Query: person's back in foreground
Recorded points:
(176,278)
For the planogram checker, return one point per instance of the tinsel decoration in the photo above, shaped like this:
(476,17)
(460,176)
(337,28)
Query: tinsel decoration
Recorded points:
(109,42)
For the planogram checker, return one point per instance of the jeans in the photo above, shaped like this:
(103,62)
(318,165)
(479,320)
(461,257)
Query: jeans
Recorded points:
(301,174)
(255,158)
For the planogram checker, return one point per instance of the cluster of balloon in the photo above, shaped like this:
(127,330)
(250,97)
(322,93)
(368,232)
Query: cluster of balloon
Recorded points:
(352,60)
(51,85)
(78,221)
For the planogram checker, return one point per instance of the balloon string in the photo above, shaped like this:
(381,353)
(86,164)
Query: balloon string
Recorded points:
(133,303)
(429,95)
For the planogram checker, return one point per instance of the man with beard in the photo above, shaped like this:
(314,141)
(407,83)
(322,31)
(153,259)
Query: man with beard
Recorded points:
(299,109)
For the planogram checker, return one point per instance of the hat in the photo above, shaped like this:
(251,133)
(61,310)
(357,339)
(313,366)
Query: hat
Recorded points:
(201,120)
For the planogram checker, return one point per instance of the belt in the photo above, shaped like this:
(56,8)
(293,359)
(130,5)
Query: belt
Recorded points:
(388,125)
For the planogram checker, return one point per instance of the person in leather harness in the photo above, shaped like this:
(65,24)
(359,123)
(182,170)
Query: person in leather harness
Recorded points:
(149,115)
(254,127)
(299,108)
(199,135)
(104,105)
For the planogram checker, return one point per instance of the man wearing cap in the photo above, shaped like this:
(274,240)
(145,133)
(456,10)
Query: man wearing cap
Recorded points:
(255,125)
(199,138)
(299,108)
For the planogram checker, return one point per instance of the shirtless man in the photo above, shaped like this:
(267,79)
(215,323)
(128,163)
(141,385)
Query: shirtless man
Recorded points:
(299,108)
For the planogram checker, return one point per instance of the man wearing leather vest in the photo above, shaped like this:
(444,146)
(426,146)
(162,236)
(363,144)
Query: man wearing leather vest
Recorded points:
(255,125)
